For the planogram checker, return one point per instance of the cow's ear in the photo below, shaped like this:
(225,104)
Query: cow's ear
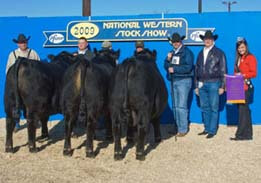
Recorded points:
(95,51)
(154,53)
(118,52)
(51,57)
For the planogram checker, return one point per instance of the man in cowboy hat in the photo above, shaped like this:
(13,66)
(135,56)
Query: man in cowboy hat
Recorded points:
(179,67)
(84,48)
(21,51)
(210,82)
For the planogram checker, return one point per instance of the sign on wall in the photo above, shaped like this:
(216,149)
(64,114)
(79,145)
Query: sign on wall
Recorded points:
(124,30)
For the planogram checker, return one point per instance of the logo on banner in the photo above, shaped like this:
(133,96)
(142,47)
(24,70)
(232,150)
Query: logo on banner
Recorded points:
(195,35)
(124,30)
(56,38)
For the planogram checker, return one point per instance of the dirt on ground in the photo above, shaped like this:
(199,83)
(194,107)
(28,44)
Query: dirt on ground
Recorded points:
(188,159)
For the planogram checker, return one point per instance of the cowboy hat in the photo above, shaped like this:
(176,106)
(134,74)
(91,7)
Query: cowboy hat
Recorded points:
(208,35)
(176,37)
(21,39)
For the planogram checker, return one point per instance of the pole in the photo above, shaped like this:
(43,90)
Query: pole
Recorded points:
(86,7)
(199,6)
(229,6)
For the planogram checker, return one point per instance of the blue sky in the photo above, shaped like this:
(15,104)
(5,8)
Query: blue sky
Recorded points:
(38,8)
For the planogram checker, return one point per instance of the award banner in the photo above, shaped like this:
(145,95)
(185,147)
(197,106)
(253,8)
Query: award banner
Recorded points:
(235,89)
(123,30)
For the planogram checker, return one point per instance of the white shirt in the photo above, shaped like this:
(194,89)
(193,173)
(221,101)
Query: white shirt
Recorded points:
(19,53)
(177,50)
(205,53)
(82,51)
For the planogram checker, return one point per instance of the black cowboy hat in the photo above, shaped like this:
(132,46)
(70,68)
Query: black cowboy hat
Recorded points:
(176,38)
(208,35)
(21,39)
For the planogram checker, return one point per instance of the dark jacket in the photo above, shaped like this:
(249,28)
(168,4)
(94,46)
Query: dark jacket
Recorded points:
(214,69)
(88,54)
(185,67)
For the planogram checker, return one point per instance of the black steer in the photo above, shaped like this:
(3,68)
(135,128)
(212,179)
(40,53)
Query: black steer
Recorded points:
(86,92)
(138,96)
(33,87)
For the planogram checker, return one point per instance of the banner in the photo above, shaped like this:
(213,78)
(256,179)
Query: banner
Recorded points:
(124,30)
(235,89)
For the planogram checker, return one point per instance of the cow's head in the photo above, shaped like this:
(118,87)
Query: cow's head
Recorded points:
(146,55)
(107,56)
(64,58)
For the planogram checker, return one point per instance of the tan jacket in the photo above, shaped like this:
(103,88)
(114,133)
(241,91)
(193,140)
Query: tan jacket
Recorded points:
(11,59)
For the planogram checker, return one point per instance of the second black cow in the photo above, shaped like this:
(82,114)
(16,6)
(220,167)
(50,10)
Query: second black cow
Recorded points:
(86,92)
(138,96)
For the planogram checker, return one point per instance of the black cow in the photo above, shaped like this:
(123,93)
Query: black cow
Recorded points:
(139,96)
(86,92)
(33,87)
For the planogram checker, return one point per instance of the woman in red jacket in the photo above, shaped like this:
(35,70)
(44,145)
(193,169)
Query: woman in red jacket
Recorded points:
(246,64)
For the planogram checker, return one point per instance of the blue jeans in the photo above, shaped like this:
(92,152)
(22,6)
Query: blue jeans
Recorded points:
(209,104)
(181,90)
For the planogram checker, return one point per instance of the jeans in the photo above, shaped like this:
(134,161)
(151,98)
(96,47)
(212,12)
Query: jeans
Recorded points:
(209,104)
(181,89)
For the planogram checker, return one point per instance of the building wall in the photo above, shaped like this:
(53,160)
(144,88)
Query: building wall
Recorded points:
(227,25)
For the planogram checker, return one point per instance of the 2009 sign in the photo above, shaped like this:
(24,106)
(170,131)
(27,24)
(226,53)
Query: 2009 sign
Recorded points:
(86,29)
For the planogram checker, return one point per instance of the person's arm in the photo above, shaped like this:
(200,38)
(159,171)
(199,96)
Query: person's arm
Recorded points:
(10,62)
(223,70)
(167,63)
(196,75)
(35,55)
(252,72)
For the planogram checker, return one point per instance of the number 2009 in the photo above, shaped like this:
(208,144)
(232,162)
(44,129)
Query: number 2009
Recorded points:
(87,30)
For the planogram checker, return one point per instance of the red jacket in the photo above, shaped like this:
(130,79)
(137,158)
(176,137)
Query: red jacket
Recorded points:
(248,67)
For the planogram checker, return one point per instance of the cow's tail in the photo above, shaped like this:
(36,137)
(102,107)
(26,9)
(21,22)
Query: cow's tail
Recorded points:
(126,109)
(17,109)
(82,108)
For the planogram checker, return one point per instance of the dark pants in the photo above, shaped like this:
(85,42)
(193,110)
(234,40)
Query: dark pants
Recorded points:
(244,128)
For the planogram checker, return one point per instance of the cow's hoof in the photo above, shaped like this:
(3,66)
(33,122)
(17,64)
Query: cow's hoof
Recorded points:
(158,140)
(74,135)
(140,157)
(33,149)
(67,152)
(9,149)
(43,138)
(109,138)
(90,154)
(118,156)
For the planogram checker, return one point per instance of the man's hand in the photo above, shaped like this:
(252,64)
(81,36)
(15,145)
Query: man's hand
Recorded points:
(169,56)
(171,70)
(221,91)
(197,91)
